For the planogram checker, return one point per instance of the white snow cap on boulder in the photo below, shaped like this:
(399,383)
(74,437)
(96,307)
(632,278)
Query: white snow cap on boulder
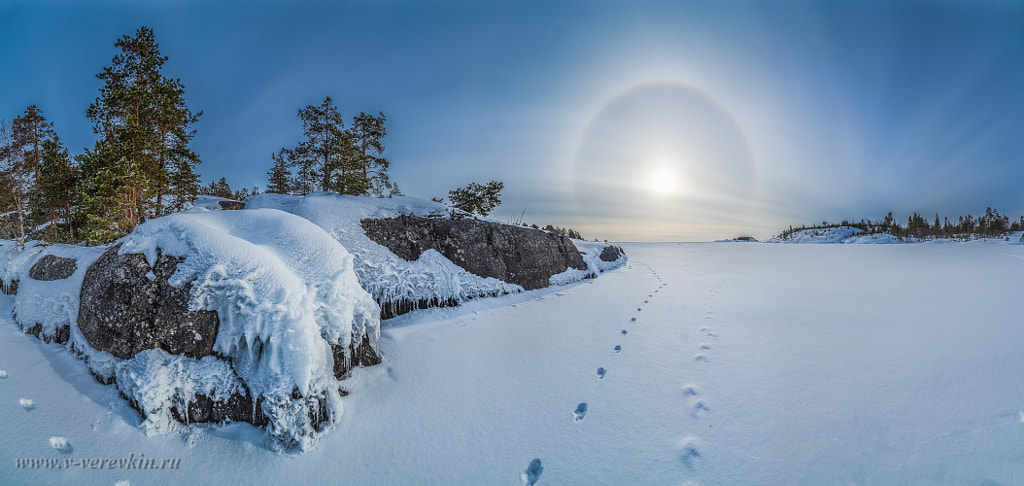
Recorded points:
(284,291)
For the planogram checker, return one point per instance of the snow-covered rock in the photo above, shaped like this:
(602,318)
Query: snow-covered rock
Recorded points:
(208,315)
(285,293)
(436,273)
(514,254)
(47,305)
(823,235)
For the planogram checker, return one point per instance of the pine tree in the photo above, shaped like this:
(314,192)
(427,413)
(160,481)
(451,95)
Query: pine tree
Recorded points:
(143,153)
(176,162)
(332,158)
(6,202)
(220,188)
(57,179)
(367,133)
(279,177)
(475,198)
(22,154)
(323,159)
(395,191)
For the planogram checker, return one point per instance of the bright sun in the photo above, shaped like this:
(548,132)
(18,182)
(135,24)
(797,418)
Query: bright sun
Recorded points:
(663,181)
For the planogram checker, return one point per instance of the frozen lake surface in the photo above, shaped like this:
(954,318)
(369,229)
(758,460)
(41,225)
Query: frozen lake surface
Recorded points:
(717,363)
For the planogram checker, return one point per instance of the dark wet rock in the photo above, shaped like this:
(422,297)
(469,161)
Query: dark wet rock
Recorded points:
(611,253)
(361,355)
(229,205)
(123,311)
(405,306)
(513,254)
(60,335)
(9,288)
(237,408)
(51,267)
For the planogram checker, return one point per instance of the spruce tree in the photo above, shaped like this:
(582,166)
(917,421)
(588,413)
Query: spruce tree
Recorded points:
(279,178)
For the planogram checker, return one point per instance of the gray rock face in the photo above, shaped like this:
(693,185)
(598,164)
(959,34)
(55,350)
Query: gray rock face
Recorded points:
(11,288)
(523,256)
(231,205)
(611,253)
(52,267)
(124,312)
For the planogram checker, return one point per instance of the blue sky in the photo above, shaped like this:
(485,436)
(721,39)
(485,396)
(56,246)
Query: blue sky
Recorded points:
(626,120)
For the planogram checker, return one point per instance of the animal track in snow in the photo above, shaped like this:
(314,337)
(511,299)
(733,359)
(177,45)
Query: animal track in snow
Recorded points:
(617,348)
(532,472)
(632,319)
(581,411)
(700,408)
(707,332)
(26,404)
(61,444)
(688,451)
(690,390)
(646,302)
(624,332)
(638,309)
(705,346)
(601,372)
(701,358)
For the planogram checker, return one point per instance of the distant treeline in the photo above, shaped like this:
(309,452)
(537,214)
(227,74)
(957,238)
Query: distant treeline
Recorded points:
(990,225)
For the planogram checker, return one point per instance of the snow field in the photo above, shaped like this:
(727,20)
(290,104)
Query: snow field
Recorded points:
(822,364)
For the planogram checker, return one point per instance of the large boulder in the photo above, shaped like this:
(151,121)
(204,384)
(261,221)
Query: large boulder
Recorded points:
(230,316)
(52,267)
(611,253)
(229,205)
(128,306)
(513,254)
